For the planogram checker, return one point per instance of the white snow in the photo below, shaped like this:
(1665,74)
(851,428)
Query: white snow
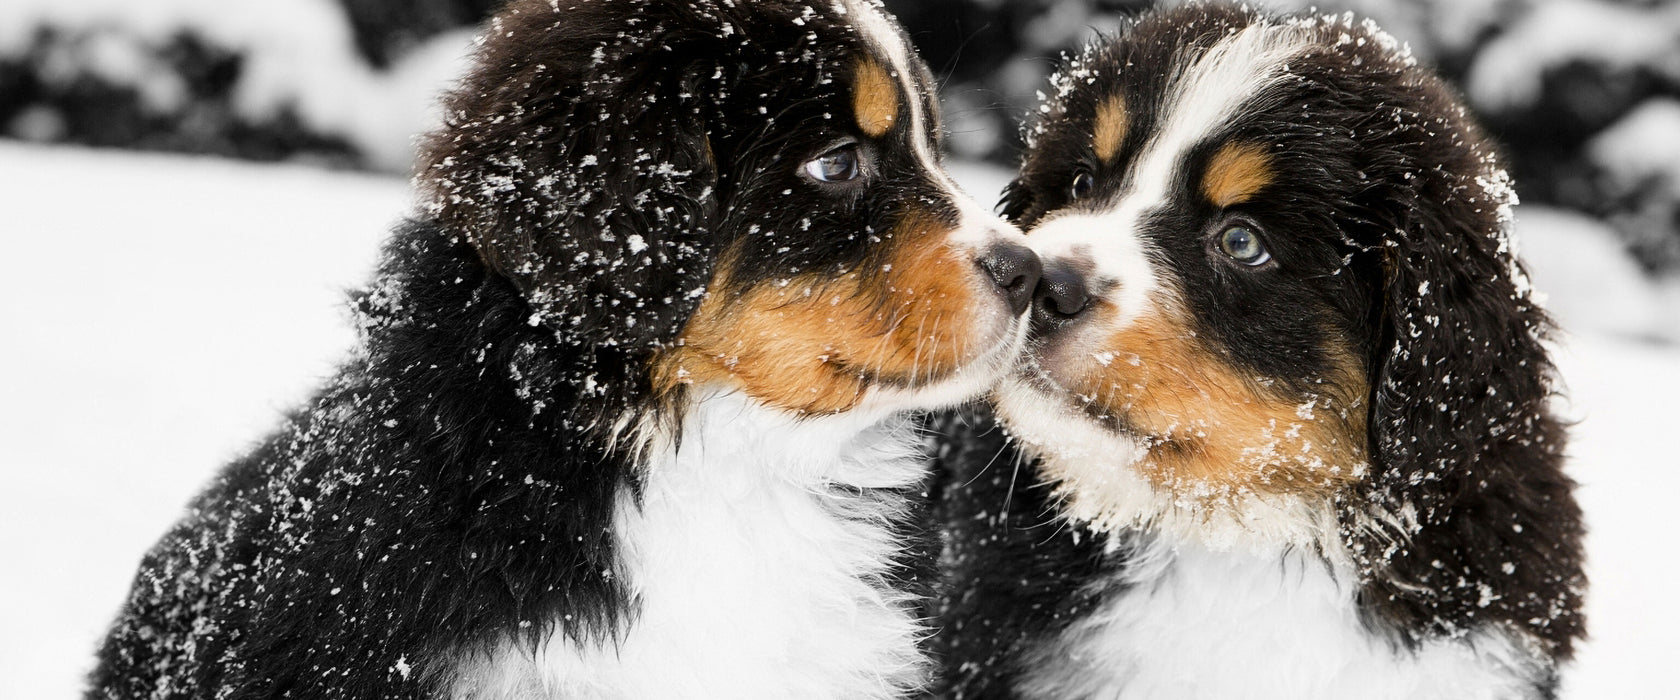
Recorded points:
(1645,143)
(299,54)
(1602,290)
(983,182)
(1428,27)
(161,312)
(1507,73)
(1629,469)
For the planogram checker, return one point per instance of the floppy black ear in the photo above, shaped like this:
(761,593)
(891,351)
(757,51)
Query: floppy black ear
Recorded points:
(1017,201)
(575,158)
(1466,456)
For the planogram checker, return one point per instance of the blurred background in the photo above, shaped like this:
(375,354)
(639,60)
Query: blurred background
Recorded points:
(1585,94)
(188,186)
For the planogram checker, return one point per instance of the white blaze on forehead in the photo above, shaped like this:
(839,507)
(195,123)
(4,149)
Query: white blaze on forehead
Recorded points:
(1201,98)
(880,32)
(1208,94)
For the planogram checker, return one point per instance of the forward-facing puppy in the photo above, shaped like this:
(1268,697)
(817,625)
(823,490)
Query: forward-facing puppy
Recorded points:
(1289,401)
(625,421)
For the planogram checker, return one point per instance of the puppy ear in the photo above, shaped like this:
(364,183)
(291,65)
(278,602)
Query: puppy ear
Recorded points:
(1017,200)
(1466,457)
(577,162)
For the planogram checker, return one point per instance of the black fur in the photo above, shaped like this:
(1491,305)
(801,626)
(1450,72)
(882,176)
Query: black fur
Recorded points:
(452,487)
(417,504)
(1014,574)
(612,121)
(1386,207)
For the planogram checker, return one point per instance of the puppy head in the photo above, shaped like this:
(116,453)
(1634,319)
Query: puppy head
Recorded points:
(739,195)
(1290,279)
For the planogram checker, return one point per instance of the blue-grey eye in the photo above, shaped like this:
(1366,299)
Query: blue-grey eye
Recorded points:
(1244,246)
(1081,186)
(838,165)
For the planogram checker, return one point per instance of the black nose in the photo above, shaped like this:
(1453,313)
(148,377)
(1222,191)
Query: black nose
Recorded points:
(1014,268)
(1060,297)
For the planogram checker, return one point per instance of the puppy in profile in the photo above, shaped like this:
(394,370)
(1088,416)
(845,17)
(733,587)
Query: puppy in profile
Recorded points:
(1284,428)
(628,418)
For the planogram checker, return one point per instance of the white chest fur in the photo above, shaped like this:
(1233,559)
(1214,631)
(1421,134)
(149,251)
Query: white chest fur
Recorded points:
(756,559)
(1197,623)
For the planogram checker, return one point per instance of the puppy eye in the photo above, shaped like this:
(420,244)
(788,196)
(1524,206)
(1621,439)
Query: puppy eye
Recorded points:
(1244,246)
(1081,186)
(838,165)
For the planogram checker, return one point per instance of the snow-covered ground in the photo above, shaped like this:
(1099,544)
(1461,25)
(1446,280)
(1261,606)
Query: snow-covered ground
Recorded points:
(160,312)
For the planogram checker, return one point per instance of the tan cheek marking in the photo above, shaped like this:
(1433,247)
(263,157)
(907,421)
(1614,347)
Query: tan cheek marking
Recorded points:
(874,98)
(1210,430)
(1109,128)
(816,345)
(1236,172)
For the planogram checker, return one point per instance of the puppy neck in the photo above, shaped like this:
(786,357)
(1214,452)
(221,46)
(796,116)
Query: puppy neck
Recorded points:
(1185,621)
(784,530)
(762,552)
(727,436)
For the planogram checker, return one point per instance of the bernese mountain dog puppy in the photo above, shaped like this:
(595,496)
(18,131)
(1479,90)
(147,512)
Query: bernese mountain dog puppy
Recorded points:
(1283,431)
(631,412)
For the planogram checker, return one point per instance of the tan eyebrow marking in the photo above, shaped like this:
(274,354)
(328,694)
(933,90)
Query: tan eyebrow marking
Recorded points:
(1109,129)
(1236,172)
(874,98)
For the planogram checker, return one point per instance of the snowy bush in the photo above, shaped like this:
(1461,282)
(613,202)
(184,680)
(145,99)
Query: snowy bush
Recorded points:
(256,80)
